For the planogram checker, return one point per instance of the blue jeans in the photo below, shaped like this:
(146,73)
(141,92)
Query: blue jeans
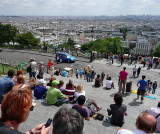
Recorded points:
(60,102)
(153,90)
(88,77)
(32,74)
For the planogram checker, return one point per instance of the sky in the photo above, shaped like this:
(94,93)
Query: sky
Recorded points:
(79,7)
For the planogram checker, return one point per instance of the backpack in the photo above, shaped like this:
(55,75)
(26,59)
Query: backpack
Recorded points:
(98,116)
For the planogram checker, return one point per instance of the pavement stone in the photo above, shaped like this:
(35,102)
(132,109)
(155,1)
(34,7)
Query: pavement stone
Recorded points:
(103,97)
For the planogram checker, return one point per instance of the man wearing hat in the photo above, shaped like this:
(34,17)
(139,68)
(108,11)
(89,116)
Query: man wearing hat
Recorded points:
(54,95)
(40,89)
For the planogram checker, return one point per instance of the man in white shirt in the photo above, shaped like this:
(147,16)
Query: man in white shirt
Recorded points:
(33,68)
(134,71)
(109,83)
(145,124)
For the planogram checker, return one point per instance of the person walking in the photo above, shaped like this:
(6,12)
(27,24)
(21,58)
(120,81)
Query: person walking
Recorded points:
(134,71)
(123,79)
(150,63)
(144,62)
(141,88)
(138,71)
(122,59)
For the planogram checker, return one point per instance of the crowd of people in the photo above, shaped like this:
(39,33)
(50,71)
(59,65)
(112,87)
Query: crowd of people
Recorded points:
(16,100)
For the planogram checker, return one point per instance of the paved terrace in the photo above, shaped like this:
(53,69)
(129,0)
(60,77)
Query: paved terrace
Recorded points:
(103,97)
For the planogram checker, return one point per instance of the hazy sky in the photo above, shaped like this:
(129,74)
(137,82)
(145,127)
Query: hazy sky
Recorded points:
(79,7)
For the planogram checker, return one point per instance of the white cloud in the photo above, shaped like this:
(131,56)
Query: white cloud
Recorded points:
(79,7)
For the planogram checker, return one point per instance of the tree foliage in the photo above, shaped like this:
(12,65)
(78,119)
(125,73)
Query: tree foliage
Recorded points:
(7,33)
(124,31)
(104,46)
(157,51)
(71,42)
(26,39)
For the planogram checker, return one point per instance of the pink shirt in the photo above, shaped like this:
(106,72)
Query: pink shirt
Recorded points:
(123,75)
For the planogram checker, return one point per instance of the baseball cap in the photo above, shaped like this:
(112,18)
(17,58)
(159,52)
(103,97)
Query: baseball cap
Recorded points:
(55,82)
(41,81)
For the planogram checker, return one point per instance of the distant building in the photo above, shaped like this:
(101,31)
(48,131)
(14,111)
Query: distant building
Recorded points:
(125,44)
(143,47)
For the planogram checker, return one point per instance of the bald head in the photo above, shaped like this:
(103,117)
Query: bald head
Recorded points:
(146,122)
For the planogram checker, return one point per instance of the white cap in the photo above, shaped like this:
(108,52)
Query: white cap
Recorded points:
(41,81)
(41,62)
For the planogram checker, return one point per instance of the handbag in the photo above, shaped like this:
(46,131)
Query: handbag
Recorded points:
(29,69)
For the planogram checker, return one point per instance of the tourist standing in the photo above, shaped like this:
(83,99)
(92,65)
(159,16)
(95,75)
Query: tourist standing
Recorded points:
(50,67)
(122,59)
(33,64)
(41,71)
(80,73)
(142,88)
(89,71)
(134,71)
(138,71)
(123,79)
(77,73)
(150,63)
(144,62)
(84,73)
(154,87)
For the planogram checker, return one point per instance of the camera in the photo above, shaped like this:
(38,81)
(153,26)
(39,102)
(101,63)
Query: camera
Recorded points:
(48,123)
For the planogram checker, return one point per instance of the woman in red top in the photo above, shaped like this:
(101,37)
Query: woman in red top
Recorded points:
(50,67)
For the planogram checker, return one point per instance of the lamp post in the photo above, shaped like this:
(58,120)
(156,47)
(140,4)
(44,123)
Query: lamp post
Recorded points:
(44,39)
(91,58)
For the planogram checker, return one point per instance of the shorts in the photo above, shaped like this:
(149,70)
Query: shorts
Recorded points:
(89,102)
(50,72)
(90,105)
(141,92)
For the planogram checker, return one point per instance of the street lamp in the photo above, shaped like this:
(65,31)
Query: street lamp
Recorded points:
(44,38)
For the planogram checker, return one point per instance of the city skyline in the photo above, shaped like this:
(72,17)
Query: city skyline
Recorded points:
(79,7)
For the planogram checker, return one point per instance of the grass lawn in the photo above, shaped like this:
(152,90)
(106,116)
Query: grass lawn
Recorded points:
(4,69)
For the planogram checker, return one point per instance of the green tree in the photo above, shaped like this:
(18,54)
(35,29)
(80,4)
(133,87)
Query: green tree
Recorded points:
(7,33)
(71,42)
(11,33)
(104,46)
(124,31)
(157,51)
(3,34)
(26,39)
